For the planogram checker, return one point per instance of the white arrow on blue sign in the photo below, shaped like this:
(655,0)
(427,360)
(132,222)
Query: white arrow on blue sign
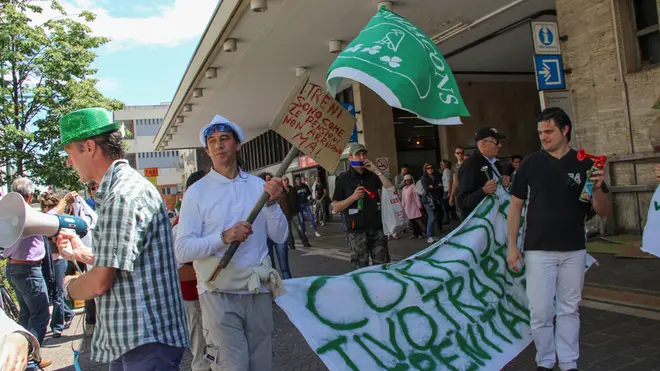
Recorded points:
(549,72)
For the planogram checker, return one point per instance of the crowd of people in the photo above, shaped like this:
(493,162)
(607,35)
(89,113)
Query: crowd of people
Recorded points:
(147,288)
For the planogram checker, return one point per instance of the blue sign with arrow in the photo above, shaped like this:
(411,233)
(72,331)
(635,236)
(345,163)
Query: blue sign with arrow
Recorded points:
(351,109)
(549,72)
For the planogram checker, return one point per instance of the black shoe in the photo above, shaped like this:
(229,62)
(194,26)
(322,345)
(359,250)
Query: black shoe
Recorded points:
(545,369)
(292,247)
(57,335)
(573,369)
(307,244)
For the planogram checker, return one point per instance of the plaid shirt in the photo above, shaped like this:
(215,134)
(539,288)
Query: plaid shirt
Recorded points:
(134,235)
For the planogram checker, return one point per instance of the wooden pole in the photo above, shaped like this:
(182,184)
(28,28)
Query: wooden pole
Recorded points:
(226,258)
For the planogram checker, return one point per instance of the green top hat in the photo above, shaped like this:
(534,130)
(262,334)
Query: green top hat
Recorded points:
(86,123)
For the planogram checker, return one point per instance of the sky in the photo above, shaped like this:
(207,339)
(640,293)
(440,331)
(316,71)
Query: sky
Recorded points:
(151,44)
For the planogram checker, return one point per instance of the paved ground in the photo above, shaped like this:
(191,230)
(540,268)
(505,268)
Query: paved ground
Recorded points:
(610,340)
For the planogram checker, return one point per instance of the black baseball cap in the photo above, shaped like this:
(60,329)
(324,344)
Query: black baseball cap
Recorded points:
(487,132)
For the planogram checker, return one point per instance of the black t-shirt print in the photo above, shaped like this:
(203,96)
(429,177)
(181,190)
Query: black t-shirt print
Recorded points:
(303,193)
(555,219)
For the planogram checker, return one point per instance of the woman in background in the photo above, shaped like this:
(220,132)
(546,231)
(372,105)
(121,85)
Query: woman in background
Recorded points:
(412,206)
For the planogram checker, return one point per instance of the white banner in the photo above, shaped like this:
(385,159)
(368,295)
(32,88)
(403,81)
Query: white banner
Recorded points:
(651,237)
(452,306)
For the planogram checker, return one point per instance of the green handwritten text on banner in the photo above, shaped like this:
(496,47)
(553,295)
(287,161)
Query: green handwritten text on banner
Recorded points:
(453,306)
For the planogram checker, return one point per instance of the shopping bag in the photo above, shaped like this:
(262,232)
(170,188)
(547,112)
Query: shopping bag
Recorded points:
(392,213)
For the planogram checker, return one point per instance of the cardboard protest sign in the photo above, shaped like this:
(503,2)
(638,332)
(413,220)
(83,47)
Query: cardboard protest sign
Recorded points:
(315,123)
(453,306)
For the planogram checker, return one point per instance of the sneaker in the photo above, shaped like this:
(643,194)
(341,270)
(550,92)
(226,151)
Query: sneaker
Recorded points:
(45,363)
(413,237)
(57,335)
(307,244)
(292,247)
(67,325)
(317,234)
(431,240)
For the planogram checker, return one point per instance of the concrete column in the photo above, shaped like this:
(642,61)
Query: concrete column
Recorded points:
(375,125)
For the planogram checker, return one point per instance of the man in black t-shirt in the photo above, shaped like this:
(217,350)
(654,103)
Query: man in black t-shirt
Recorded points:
(555,237)
(304,193)
(362,219)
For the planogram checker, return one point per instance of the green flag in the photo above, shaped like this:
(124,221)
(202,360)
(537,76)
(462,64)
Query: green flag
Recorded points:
(395,59)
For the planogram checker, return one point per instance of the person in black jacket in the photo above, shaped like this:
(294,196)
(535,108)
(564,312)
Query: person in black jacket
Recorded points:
(432,200)
(478,175)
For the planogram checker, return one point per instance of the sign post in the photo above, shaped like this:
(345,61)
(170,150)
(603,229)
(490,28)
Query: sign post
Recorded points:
(316,125)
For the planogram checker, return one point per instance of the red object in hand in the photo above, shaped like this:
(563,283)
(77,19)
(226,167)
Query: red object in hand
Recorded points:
(371,195)
(599,161)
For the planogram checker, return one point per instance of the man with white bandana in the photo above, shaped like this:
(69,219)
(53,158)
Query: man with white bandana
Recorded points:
(236,311)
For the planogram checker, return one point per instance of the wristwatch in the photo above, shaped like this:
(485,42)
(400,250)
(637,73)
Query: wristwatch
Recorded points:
(271,203)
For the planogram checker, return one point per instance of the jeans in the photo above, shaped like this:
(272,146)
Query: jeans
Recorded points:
(149,357)
(433,216)
(306,210)
(295,222)
(61,312)
(320,210)
(30,287)
(560,275)
(282,251)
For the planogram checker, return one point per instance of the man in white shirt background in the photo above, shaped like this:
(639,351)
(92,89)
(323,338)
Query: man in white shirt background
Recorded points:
(237,318)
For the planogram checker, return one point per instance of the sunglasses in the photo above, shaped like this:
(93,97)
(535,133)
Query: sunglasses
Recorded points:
(429,168)
(495,142)
(93,189)
(459,153)
(222,128)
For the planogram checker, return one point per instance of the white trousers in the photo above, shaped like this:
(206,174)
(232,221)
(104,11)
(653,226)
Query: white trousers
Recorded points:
(240,327)
(197,342)
(560,275)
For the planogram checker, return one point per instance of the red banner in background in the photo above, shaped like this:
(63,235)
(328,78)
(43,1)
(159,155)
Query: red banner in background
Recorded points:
(306,161)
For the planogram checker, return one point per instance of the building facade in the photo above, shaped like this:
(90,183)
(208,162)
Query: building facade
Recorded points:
(610,51)
(164,169)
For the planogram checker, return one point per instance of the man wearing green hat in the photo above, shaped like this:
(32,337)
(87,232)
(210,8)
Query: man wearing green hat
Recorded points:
(141,323)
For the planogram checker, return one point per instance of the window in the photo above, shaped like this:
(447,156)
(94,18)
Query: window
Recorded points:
(640,33)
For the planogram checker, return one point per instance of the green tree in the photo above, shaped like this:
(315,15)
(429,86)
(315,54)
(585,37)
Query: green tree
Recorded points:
(45,73)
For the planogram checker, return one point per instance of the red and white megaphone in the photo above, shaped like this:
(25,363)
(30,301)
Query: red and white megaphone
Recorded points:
(599,161)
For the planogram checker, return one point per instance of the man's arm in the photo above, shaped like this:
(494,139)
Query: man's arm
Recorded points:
(19,344)
(339,206)
(600,200)
(385,180)
(190,245)
(513,220)
(514,257)
(470,192)
(276,224)
(90,285)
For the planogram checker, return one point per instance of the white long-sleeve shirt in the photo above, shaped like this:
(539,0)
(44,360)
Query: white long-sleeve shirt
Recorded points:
(214,204)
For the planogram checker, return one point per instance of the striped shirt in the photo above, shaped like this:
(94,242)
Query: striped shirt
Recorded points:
(134,235)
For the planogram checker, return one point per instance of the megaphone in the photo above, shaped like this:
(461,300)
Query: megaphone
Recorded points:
(18,220)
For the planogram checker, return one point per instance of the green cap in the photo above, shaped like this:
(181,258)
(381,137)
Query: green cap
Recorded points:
(355,148)
(86,123)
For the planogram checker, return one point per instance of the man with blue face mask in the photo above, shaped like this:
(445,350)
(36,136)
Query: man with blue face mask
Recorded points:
(357,197)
